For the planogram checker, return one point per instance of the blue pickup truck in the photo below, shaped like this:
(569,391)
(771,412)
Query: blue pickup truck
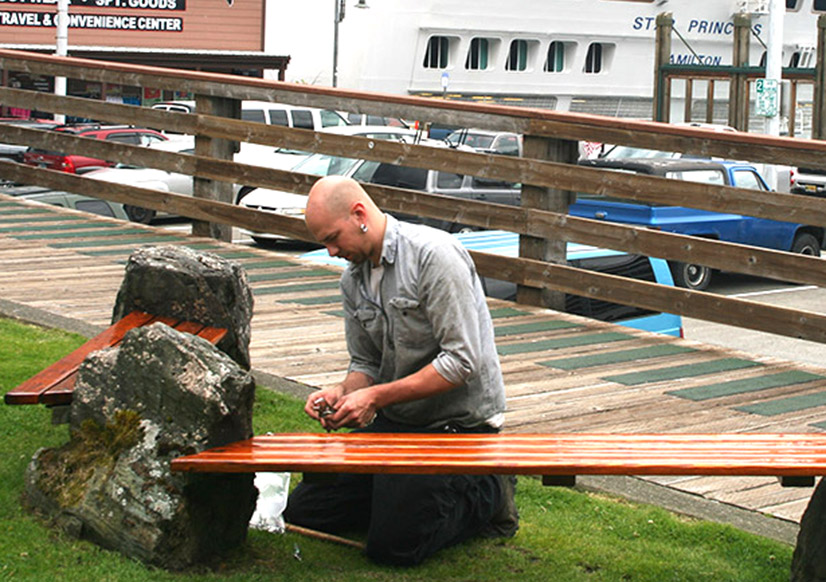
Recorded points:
(736,228)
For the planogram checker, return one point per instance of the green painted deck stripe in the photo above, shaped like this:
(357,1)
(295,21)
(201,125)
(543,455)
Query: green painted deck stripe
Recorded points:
(235,254)
(502,312)
(733,387)
(107,252)
(61,227)
(617,357)
(820,425)
(533,327)
(208,246)
(268,264)
(42,219)
(290,275)
(296,288)
(23,210)
(786,405)
(686,371)
(132,240)
(95,234)
(567,342)
(335,313)
(326,299)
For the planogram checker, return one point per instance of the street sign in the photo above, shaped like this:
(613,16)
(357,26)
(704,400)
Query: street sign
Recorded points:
(768,97)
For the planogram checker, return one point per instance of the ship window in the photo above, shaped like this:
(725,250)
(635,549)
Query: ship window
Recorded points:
(794,62)
(792,4)
(517,56)
(820,6)
(555,62)
(593,60)
(437,52)
(477,56)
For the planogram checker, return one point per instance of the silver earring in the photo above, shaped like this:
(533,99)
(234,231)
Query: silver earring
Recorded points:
(363,227)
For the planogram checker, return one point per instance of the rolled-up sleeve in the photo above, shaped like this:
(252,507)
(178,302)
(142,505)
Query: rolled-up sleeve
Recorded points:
(446,286)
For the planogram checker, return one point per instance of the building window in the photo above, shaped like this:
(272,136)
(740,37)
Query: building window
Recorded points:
(438,48)
(555,63)
(517,56)
(593,60)
(477,56)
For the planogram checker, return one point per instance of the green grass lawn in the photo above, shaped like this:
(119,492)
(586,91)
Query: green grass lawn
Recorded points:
(565,535)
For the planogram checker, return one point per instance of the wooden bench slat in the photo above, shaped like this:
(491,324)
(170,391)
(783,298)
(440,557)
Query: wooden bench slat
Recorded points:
(547,454)
(54,385)
(60,393)
(29,391)
(211,334)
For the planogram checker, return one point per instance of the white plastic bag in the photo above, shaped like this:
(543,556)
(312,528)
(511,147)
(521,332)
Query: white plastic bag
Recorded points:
(273,489)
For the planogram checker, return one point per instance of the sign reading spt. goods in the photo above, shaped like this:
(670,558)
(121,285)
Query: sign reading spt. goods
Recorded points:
(134,4)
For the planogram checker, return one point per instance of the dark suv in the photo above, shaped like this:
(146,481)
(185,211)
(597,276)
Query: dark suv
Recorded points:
(79,164)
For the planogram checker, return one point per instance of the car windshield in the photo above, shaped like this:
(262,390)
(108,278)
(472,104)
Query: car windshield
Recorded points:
(629,152)
(325,165)
(473,140)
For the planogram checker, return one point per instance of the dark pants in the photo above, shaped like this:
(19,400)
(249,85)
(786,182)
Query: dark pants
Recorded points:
(407,517)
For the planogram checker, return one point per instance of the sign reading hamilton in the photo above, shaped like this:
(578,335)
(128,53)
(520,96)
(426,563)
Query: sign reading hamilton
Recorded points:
(98,21)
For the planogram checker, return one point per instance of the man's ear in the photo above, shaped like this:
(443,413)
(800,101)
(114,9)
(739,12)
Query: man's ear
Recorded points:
(359,212)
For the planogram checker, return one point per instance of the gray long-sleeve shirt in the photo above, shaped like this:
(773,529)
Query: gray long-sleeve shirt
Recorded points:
(430,309)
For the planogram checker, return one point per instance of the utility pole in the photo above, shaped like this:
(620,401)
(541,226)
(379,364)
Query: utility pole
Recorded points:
(338,6)
(774,74)
(61,49)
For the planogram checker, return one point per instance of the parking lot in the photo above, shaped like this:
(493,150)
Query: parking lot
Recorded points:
(759,343)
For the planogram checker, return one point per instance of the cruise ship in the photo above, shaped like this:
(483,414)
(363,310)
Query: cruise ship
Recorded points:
(594,56)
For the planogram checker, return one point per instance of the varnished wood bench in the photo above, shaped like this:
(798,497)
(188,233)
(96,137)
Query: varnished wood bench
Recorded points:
(796,458)
(54,385)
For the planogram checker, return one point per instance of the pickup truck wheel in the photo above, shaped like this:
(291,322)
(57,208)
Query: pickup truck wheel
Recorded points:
(138,214)
(243,192)
(691,276)
(806,244)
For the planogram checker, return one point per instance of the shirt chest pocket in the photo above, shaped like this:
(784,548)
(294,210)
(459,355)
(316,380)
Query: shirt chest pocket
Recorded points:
(410,324)
(370,320)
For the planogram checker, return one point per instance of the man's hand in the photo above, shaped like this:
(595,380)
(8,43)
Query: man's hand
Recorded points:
(353,410)
(319,404)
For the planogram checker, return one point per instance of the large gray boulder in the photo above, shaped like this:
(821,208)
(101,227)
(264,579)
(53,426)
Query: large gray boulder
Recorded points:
(159,395)
(179,282)
(809,559)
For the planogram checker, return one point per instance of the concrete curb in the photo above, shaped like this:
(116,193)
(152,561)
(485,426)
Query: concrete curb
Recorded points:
(630,488)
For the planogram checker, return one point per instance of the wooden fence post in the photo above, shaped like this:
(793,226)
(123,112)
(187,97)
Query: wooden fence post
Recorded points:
(819,105)
(662,56)
(552,251)
(738,102)
(222,149)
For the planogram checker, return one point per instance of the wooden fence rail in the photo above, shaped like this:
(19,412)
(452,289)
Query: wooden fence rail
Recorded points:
(556,178)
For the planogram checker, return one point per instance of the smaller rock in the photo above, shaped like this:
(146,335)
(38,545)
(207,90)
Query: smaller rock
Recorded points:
(179,282)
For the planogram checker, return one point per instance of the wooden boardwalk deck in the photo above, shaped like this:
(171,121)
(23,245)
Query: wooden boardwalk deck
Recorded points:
(563,373)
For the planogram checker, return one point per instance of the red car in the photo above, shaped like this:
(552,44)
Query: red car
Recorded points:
(78,164)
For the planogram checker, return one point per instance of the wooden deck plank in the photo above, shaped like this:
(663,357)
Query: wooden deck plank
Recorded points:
(541,398)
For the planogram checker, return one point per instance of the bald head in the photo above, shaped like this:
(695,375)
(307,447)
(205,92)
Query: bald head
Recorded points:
(333,197)
(343,217)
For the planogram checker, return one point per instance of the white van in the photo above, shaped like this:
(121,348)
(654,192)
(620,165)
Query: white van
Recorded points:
(271,113)
(290,115)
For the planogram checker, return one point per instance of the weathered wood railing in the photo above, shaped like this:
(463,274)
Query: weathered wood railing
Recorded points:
(549,135)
